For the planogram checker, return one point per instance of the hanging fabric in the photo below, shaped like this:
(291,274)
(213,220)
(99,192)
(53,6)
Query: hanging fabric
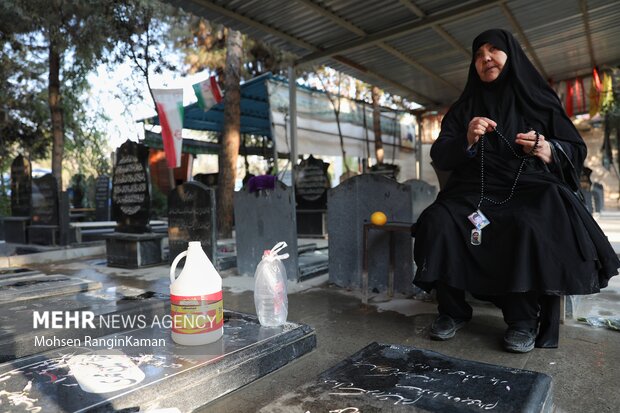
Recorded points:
(596,79)
(595,94)
(578,91)
(607,95)
(584,102)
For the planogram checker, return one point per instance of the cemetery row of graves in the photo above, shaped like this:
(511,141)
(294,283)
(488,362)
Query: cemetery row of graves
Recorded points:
(266,211)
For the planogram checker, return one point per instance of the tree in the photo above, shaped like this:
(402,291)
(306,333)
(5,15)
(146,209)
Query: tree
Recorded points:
(146,30)
(24,118)
(335,102)
(205,49)
(70,36)
(229,149)
(232,57)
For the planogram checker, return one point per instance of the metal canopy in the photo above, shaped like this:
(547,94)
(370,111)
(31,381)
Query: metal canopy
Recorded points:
(420,49)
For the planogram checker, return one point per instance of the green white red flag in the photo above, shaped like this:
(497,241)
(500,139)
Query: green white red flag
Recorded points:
(208,93)
(169,104)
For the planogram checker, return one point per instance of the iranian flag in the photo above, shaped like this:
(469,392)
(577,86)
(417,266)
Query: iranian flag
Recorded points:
(169,104)
(208,93)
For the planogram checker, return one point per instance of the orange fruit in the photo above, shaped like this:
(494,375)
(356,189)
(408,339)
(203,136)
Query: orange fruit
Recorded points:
(378,218)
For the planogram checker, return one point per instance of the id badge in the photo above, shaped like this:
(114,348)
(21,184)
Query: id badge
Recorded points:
(478,219)
(476,236)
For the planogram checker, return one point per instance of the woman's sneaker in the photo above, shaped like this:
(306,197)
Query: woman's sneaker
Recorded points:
(445,327)
(519,340)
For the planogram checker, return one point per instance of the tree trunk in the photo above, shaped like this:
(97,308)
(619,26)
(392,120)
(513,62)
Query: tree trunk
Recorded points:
(56,112)
(376,124)
(231,138)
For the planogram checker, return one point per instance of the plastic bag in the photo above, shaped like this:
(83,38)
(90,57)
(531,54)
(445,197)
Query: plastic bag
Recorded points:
(270,295)
(612,323)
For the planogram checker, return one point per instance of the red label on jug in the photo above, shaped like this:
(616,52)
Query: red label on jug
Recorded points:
(197,314)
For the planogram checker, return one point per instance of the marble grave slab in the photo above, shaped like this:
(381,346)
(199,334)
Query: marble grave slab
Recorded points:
(394,378)
(147,370)
(33,286)
(115,309)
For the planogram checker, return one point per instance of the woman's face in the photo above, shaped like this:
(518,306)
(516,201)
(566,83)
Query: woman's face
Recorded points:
(489,62)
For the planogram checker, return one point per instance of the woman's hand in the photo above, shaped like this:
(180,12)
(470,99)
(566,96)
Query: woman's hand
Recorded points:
(542,150)
(478,126)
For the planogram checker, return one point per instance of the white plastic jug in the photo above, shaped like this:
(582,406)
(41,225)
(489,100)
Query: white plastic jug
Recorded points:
(197,308)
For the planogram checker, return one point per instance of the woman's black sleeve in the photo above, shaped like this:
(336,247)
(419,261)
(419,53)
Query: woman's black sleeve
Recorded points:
(566,162)
(450,149)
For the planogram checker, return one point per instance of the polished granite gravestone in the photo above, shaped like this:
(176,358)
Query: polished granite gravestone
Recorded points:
(102,198)
(31,286)
(65,233)
(124,250)
(114,309)
(21,187)
(131,197)
(132,245)
(16,229)
(394,378)
(44,218)
(311,185)
(350,206)
(145,369)
(191,217)
(262,219)
(422,195)
(16,226)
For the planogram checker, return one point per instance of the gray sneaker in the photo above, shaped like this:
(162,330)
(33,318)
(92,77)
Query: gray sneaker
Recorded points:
(445,327)
(519,340)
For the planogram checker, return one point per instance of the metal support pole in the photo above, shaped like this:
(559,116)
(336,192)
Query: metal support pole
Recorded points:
(272,130)
(292,93)
(418,150)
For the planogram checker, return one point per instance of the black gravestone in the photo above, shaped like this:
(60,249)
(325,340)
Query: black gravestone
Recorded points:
(350,206)
(131,199)
(126,250)
(262,219)
(311,185)
(132,245)
(77,200)
(209,180)
(191,217)
(396,378)
(386,169)
(45,200)
(102,198)
(44,220)
(21,187)
(15,226)
(422,195)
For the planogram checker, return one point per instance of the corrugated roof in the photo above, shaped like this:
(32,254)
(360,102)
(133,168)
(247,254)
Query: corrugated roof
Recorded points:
(419,48)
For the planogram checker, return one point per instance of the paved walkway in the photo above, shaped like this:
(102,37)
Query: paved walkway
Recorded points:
(584,368)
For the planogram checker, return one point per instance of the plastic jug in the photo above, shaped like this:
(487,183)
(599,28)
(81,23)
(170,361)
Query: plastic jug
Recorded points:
(197,308)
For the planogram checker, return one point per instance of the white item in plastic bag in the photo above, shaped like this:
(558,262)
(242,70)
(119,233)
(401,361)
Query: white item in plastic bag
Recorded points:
(270,296)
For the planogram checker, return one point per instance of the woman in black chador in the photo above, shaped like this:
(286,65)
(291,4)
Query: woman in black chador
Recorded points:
(509,226)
